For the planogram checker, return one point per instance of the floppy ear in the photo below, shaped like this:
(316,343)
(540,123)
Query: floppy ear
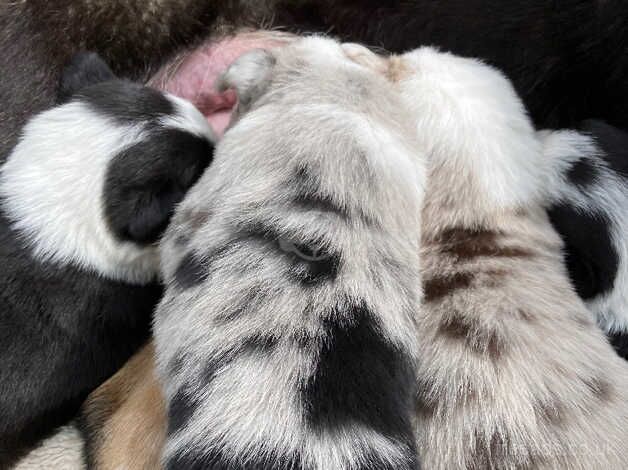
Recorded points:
(249,76)
(146,181)
(84,69)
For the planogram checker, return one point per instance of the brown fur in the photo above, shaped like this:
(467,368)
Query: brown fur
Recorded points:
(513,374)
(124,420)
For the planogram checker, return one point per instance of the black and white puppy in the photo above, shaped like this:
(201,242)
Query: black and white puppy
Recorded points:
(85,195)
(590,211)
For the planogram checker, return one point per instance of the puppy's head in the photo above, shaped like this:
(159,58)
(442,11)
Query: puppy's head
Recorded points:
(315,130)
(94,181)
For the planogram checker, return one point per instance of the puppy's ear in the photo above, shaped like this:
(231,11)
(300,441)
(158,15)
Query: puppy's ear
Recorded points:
(84,69)
(249,76)
(146,181)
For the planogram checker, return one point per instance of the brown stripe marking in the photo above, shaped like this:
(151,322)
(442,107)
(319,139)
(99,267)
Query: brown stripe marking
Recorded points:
(600,388)
(552,413)
(476,336)
(467,244)
(497,451)
(438,287)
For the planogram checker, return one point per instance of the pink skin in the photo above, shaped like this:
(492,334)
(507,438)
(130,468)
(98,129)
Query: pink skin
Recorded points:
(196,75)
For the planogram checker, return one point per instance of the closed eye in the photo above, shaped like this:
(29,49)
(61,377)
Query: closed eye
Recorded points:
(304,252)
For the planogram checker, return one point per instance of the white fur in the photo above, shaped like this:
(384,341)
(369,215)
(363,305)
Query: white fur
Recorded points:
(61,451)
(607,195)
(481,127)
(188,118)
(53,181)
(361,149)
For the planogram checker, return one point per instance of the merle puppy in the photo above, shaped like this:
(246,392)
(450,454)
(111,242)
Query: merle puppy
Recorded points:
(85,195)
(285,338)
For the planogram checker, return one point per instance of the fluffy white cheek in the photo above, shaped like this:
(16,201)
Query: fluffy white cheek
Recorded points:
(52,186)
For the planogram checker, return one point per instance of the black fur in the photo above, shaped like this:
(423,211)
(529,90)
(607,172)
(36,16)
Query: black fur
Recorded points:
(591,256)
(589,251)
(582,173)
(65,329)
(190,272)
(566,59)
(613,142)
(181,407)
(126,102)
(313,272)
(359,377)
(620,343)
(147,180)
(215,460)
(254,345)
(83,70)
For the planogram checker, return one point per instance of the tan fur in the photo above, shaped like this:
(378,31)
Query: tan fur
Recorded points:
(513,372)
(125,417)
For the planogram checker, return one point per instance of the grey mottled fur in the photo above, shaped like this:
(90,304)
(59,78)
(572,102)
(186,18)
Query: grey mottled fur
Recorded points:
(285,338)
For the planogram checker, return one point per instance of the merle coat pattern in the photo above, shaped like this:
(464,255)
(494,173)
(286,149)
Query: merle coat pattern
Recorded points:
(285,337)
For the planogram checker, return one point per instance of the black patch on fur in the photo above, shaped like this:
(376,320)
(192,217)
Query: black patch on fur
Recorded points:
(251,301)
(372,461)
(83,70)
(590,255)
(319,203)
(360,377)
(190,272)
(126,102)
(255,344)
(582,173)
(619,341)
(181,407)
(613,142)
(175,365)
(191,459)
(63,331)
(145,181)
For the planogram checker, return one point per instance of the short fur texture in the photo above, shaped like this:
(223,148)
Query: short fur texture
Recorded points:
(285,337)
(512,373)
(566,59)
(562,171)
(62,451)
(123,422)
(84,196)
(589,208)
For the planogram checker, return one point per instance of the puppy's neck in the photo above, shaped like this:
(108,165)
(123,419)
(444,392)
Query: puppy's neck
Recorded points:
(52,193)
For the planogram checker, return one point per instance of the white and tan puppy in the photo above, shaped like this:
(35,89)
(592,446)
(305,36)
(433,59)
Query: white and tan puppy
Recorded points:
(513,371)
(286,338)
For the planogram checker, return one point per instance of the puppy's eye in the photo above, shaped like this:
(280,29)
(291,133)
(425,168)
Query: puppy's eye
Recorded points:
(304,252)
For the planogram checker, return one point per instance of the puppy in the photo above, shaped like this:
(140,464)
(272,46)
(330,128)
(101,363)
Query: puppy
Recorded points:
(85,195)
(285,337)
(589,208)
(513,373)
